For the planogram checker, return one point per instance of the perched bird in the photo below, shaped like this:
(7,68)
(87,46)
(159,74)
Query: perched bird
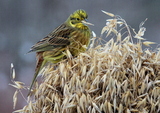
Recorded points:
(73,34)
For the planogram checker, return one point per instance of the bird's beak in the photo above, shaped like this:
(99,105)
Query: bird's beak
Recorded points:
(87,23)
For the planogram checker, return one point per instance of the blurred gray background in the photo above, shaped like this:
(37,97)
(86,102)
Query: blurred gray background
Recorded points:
(24,22)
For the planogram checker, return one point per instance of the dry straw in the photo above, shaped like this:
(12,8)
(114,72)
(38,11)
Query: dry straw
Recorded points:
(117,76)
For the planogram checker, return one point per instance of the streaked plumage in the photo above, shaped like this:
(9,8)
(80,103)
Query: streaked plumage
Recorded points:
(73,34)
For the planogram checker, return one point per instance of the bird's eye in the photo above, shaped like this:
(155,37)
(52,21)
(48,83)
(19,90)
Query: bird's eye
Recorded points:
(77,18)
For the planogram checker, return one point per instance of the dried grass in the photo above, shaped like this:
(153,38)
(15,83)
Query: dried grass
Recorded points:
(115,77)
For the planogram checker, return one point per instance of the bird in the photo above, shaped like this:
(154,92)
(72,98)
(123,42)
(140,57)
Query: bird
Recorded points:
(73,35)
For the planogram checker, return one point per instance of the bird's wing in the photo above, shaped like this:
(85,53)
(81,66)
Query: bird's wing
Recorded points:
(57,38)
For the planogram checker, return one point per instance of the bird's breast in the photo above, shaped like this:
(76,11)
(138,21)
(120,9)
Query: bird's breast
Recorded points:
(79,41)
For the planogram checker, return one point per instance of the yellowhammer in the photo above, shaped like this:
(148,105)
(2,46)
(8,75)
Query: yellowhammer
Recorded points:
(73,35)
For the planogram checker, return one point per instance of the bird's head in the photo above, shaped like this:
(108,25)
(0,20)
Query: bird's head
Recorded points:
(78,19)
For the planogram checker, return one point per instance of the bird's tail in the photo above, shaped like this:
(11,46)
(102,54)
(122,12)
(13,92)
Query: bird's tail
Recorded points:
(39,65)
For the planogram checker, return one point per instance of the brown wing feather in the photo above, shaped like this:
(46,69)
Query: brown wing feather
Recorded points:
(58,37)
